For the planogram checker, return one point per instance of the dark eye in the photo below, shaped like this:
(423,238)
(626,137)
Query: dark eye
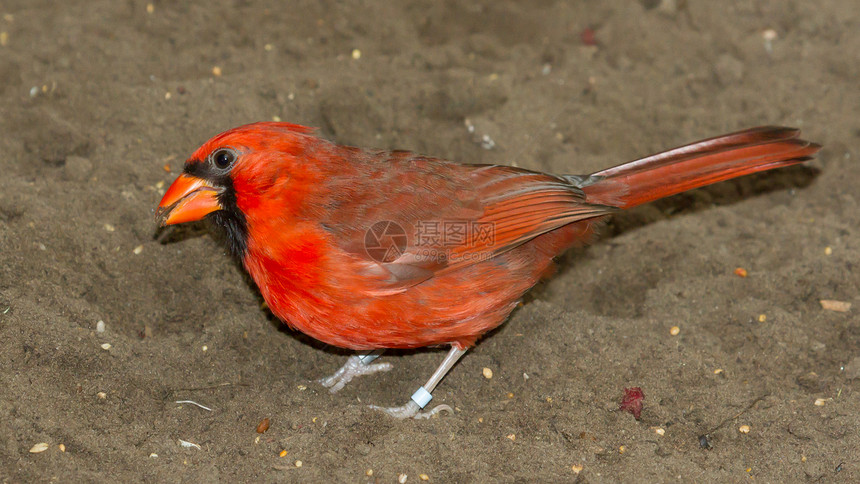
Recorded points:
(223,159)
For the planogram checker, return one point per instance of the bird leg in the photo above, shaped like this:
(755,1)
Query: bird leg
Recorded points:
(422,397)
(358,365)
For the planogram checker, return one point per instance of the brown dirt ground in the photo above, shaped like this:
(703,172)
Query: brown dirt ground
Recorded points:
(97,97)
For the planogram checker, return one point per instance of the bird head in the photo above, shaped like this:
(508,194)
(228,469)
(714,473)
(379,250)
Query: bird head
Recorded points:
(241,173)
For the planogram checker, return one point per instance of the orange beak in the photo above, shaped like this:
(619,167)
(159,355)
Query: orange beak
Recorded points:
(188,199)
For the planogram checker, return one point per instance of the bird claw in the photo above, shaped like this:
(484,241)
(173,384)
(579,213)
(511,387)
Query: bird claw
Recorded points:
(353,367)
(412,410)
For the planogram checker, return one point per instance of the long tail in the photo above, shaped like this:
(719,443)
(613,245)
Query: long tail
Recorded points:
(696,165)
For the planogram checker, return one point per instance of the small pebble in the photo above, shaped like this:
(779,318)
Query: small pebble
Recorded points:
(100,327)
(488,373)
(744,429)
(38,448)
(401,478)
(674,330)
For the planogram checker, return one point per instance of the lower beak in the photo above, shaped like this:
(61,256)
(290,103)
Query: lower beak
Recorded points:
(188,199)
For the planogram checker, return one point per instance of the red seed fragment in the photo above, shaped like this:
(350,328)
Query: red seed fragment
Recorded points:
(588,36)
(632,401)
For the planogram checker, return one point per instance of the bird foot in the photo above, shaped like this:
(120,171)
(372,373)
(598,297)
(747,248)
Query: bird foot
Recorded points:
(412,410)
(353,367)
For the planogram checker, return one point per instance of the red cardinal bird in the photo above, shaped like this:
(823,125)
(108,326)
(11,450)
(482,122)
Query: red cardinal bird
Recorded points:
(370,250)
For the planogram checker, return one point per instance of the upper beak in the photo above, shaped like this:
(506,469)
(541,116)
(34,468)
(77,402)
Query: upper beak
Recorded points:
(188,199)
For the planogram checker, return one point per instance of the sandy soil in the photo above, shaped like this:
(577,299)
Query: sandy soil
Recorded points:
(100,98)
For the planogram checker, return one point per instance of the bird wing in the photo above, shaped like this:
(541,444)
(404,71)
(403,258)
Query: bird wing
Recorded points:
(452,215)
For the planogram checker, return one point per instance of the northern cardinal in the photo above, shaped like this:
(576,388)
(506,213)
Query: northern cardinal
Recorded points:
(370,250)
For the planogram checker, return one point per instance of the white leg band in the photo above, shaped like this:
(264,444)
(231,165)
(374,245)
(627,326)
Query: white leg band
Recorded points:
(422,397)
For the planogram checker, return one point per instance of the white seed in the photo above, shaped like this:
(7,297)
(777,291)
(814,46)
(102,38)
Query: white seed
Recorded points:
(100,327)
(744,429)
(488,373)
(40,447)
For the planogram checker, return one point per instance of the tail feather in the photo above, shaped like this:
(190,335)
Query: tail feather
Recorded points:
(696,165)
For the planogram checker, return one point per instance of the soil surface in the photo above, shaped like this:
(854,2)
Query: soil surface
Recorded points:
(103,100)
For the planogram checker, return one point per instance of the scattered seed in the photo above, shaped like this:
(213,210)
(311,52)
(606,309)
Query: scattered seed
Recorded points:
(4,38)
(216,71)
(302,388)
(166,167)
(674,330)
(298,463)
(100,327)
(512,437)
(401,478)
(576,468)
(660,431)
(101,395)
(510,395)
(762,318)
(740,271)
(488,373)
(62,447)
(137,250)
(268,47)
(356,54)
(833,305)
(368,472)
(109,227)
(187,444)
(769,34)
(150,8)
(205,348)
(263,426)
(828,250)
(283,453)
(622,449)
(744,429)
(38,448)
(153,455)
(480,419)
(803,458)
(718,371)
(819,402)
(106,346)
(167,95)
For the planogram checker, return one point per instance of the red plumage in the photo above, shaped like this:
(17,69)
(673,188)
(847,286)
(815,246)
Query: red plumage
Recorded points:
(308,203)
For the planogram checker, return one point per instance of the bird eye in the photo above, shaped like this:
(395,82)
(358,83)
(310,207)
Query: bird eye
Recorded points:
(223,159)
